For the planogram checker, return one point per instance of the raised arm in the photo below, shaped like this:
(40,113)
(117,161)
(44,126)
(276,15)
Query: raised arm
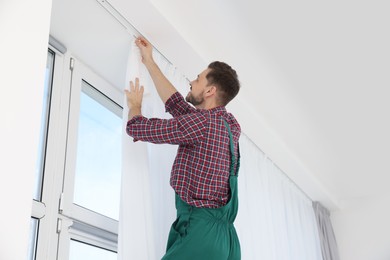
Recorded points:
(164,88)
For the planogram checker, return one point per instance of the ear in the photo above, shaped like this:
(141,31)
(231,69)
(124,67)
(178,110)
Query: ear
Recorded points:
(210,91)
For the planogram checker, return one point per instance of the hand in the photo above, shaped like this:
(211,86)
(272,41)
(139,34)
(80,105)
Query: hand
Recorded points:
(146,49)
(135,95)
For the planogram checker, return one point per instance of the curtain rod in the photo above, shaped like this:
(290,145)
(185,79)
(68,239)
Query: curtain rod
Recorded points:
(125,23)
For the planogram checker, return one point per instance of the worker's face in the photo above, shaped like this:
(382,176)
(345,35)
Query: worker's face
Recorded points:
(198,89)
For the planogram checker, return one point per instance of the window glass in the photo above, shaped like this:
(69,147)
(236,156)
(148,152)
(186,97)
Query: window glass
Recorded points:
(98,166)
(33,238)
(40,163)
(79,250)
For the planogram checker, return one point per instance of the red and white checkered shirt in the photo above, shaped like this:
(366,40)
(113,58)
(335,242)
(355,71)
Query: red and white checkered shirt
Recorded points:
(200,173)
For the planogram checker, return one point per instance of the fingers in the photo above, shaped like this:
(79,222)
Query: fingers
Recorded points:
(132,87)
(135,87)
(135,94)
(141,42)
(146,50)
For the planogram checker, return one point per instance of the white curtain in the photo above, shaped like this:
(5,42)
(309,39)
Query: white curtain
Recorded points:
(147,201)
(329,246)
(275,219)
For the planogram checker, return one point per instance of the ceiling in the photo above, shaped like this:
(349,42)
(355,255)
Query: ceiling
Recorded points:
(315,75)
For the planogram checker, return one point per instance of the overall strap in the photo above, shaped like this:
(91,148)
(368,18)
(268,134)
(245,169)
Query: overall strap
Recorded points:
(232,156)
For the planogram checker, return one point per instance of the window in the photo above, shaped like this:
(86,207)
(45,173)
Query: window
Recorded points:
(91,190)
(79,250)
(77,186)
(33,238)
(40,163)
(98,164)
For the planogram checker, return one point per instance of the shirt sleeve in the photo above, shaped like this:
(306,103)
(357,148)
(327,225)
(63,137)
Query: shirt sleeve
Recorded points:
(186,129)
(177,106)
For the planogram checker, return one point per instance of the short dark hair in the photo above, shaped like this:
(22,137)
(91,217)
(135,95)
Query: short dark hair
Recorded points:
(225,79)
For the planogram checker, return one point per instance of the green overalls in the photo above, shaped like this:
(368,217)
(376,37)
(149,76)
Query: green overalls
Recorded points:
(206,233)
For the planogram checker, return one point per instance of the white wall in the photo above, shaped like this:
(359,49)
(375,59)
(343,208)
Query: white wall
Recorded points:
(24,29)
(362,229)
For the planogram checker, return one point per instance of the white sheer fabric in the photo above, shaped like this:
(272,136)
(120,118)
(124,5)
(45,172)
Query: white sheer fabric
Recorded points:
(147,201)
(275,219)
(329,246)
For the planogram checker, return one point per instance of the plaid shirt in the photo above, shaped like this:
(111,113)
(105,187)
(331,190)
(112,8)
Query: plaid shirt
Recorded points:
(200,173)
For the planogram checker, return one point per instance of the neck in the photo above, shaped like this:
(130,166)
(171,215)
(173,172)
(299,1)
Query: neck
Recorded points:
(208,104)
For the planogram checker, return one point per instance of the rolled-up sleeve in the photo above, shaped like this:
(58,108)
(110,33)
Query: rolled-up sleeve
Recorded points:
(177,106)
(185,129)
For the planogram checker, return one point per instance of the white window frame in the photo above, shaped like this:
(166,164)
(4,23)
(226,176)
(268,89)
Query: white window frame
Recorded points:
(82,224)
(46,210)
(61,221)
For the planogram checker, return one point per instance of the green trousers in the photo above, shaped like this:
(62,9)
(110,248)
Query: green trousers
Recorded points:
(204,233)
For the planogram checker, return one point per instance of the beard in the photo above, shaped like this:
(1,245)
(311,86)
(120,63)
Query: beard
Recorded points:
(194,100)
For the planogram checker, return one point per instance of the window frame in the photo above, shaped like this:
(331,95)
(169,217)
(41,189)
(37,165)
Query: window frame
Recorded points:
(82,73)
(46,209)
(61,221)
(80,223)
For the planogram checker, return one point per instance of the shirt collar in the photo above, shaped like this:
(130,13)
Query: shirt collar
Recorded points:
(215,110)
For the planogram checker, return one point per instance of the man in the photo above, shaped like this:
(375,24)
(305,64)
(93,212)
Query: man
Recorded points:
(204,173)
